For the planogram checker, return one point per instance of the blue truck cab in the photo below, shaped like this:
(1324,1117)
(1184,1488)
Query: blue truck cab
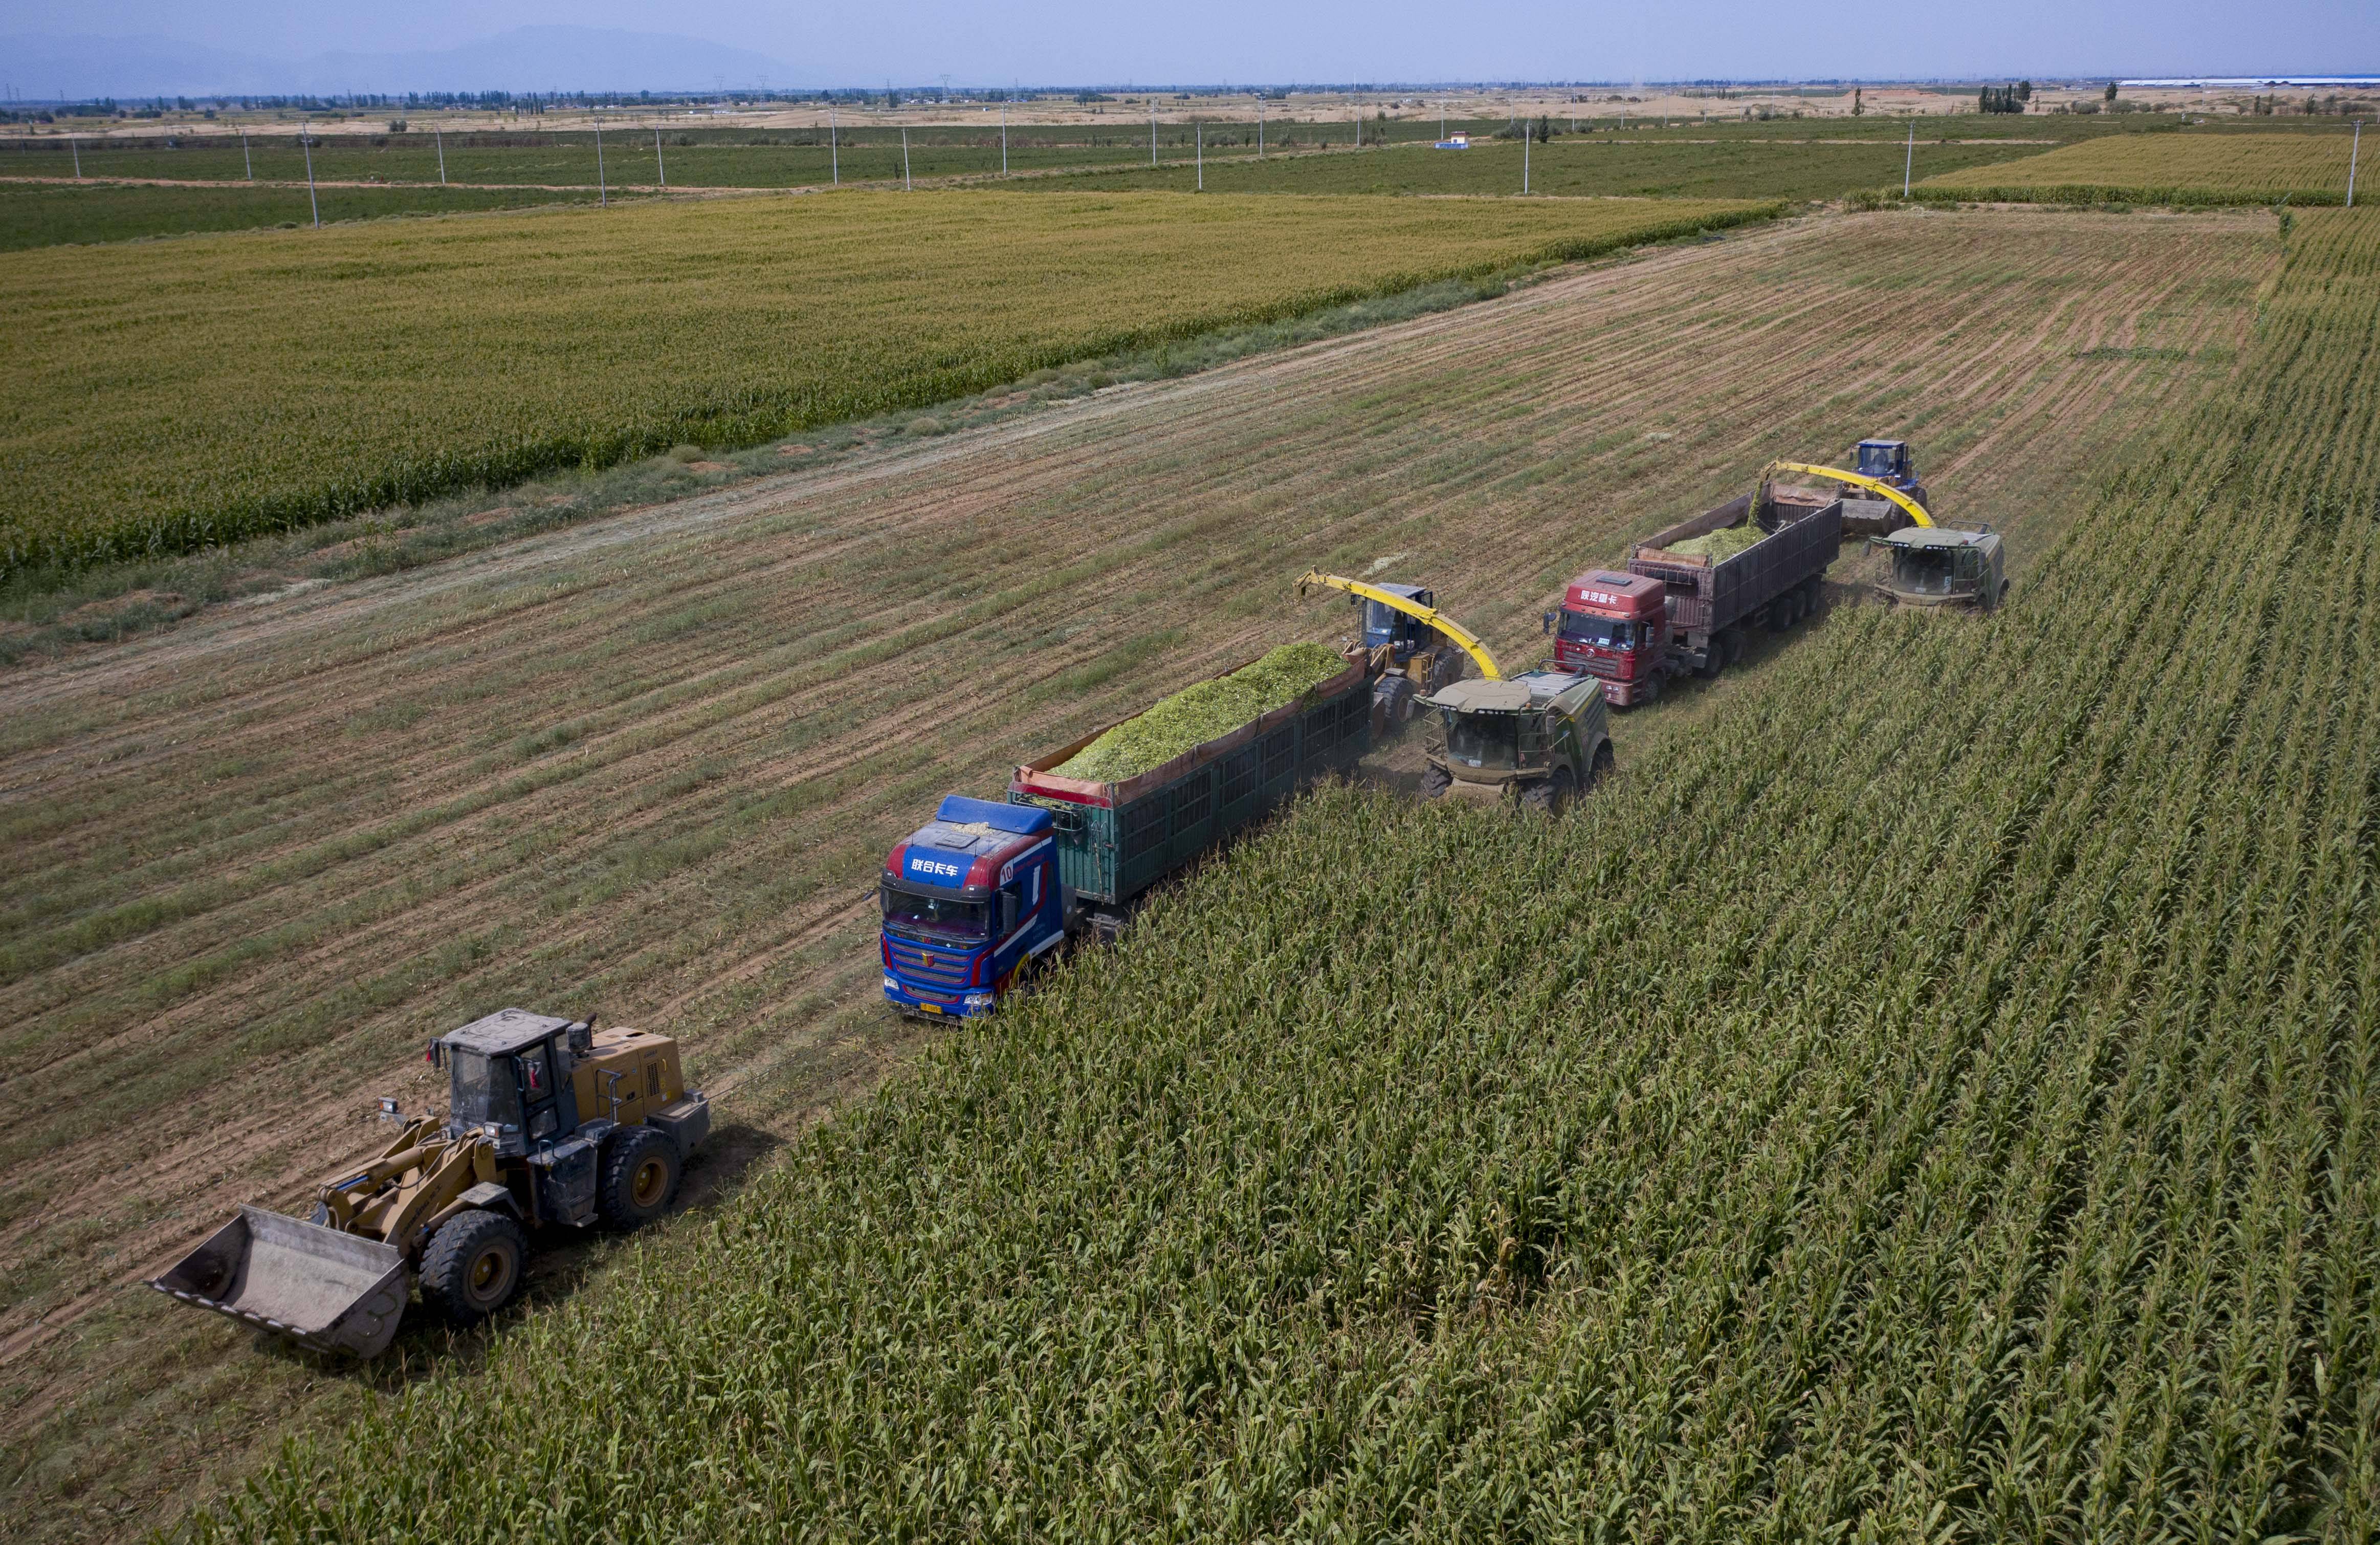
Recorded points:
(970,900)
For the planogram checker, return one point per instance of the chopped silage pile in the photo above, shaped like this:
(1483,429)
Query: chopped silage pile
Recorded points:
(1721,544)
(1198,714)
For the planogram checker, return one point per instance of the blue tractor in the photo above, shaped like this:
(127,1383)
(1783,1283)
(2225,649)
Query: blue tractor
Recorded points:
(1887,461)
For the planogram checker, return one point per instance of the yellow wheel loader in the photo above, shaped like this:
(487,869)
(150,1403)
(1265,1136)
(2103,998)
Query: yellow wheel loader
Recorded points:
(548,1122)
(1410,647)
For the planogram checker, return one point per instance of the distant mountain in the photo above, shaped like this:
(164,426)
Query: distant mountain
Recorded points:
(525,59)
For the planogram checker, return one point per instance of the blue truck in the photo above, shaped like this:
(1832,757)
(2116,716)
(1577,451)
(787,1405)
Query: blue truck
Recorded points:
(971,901)
(980,897)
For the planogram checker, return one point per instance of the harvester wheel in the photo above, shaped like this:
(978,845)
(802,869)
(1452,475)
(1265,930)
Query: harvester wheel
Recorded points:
(1550,795)
(473,1266)
(1435,782)
(640,1169)
(1601,767)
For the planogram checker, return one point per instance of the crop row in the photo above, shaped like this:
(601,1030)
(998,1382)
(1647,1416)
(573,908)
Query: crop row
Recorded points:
(2175,168)
(1936,1101)
(224,387)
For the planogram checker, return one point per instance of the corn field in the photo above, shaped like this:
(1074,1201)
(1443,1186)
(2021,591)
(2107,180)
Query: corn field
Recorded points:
(1938,1102)
(2175,168)
(170,397)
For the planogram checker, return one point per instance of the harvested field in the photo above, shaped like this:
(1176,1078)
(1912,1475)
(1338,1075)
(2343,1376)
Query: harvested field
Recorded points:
(650,765)
(2182,167)
(226,386)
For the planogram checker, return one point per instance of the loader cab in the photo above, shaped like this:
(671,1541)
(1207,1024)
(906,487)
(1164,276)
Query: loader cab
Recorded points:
(511,1072)
(1941,565)
(1887,461)
(1400,632)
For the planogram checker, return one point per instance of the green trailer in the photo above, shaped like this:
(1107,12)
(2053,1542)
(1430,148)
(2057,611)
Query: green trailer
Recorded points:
(1115,840)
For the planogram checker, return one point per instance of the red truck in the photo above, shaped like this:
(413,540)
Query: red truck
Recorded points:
(1672,612)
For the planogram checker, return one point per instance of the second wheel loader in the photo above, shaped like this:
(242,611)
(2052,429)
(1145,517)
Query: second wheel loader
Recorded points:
(550,1122)
(1410,648)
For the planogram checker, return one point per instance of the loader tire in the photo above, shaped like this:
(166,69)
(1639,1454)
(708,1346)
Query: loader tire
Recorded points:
(640,1169)
(473,1266)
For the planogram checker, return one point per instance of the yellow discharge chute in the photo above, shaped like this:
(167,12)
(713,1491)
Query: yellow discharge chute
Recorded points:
(1466,639)
(1882,490)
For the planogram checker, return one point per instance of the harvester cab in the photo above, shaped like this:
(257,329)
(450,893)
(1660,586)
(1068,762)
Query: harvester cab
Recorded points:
(1538,739)
(1943,566)
(548,1122)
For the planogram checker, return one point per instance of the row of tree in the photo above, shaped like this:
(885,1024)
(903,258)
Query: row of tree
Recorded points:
(2004,99)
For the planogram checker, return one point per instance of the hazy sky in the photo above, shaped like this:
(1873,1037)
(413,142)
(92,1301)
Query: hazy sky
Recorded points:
(974,42)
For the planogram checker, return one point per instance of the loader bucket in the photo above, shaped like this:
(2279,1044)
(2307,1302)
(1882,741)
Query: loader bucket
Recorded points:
(325,1290)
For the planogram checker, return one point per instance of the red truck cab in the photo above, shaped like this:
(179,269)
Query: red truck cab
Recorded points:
(1614,626)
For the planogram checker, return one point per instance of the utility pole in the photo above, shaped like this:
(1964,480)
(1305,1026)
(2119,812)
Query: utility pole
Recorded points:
(248,159)
(833,150)
(1527,135)
(660,165)
(306,138)
(1004,136)
(1259,126)
(904,160)
(1909,159)
(1202,157)
(439,130)
(602,190)
(2353,149)
(1152,128)
(75,144)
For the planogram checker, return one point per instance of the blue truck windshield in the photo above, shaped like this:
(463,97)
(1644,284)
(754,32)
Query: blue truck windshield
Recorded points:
(944,919)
